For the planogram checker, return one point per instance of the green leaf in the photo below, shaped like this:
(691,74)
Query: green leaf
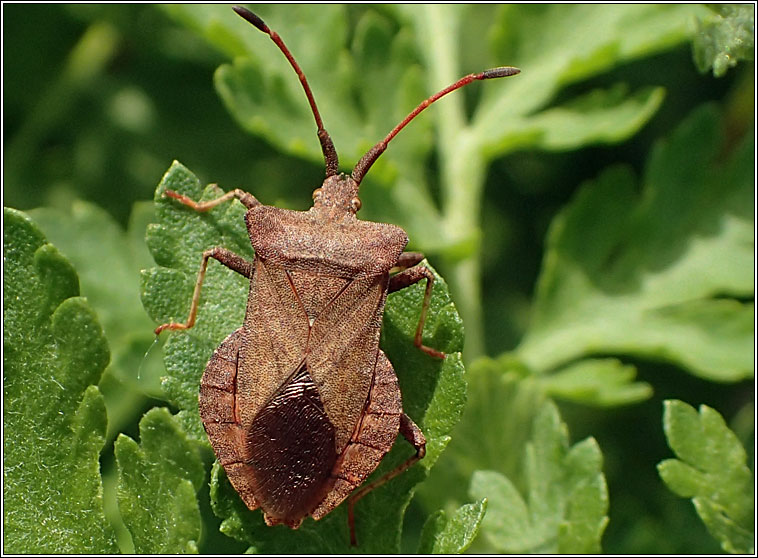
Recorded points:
(601,116)
(54,419)
(157,485)
(433,390)
(724,37)
(712,471)
(452,535)
(108,261)
(565,503)
(501,404)
(661,274)
(601,382)
(551,45)
(503,398)
(100,249)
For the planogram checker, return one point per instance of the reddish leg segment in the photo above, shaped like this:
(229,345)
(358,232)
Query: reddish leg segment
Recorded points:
(411,276)
(413,434)
(229,259)
(226,257)
(248,200)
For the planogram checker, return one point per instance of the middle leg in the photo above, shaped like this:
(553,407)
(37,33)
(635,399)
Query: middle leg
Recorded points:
(411,274)
(226,257)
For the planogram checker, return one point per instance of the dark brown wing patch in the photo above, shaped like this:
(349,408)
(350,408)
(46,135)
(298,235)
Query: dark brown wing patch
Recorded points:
(374,437)
(290,444)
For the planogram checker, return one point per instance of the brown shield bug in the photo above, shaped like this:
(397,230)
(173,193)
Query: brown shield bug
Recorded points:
(300,405)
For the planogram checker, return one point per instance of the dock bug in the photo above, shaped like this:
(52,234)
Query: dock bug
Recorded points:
(300,405)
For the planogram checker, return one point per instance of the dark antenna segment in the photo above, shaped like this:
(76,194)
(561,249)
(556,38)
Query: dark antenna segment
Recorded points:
(327,146)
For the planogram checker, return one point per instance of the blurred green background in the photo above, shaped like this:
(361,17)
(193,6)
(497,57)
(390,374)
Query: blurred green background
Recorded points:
(99,99)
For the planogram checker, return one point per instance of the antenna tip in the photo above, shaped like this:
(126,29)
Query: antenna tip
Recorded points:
(503,71)
(251,17)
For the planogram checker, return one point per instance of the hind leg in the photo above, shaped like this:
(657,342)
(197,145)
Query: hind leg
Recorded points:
(409,274)
(413,434)
(382,420)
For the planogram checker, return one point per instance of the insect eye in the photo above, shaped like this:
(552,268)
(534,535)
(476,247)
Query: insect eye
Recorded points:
(355,204)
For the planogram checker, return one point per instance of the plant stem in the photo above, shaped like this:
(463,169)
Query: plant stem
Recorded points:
(462,182)
(461,171)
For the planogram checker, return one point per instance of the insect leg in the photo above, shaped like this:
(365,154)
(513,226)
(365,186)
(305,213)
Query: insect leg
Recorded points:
(413,434)
(406,260)
(226,257)
(248,200)
(409,277)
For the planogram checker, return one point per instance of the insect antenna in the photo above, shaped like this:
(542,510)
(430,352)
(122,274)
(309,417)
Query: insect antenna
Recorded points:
(372,155)
(327,146)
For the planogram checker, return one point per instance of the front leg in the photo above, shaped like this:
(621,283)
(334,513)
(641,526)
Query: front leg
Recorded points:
(248,200)
(226,257)
(411,276)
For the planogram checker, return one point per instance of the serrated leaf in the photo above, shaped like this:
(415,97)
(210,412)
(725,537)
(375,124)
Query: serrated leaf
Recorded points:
(551,42)
(711,470)
(597,117)
(452,535)
(157,484)
(54,418)
(100,249)
(108,261)
(433,391)
(724,37)
(501,402)
(599,382)
(658,274)
(564,506)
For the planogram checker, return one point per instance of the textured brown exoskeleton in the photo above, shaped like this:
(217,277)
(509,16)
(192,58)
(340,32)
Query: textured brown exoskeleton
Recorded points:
(300,404)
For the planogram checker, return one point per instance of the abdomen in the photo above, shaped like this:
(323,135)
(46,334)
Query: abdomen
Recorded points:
(305,368)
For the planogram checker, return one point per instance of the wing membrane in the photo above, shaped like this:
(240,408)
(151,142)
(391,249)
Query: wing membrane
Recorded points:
(276,336)
(343,350)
